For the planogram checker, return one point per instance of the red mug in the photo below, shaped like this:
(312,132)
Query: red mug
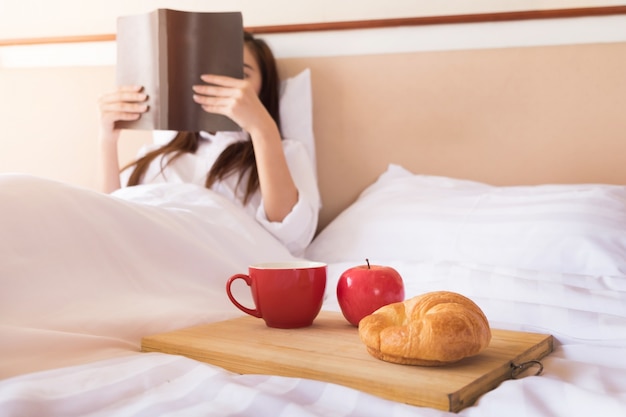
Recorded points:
(286,295)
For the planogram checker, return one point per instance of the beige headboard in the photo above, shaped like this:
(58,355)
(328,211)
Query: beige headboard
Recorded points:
(503,116)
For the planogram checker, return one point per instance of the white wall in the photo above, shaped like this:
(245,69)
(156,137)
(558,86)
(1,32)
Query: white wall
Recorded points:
(41,18)
(594,29)
(58,18)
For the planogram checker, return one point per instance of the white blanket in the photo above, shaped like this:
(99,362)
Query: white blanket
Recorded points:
(84,276)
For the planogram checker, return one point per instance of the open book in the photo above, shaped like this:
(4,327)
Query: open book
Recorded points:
(166,51)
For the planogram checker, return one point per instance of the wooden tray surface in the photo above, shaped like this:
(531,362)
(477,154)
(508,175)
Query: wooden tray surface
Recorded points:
(331,351)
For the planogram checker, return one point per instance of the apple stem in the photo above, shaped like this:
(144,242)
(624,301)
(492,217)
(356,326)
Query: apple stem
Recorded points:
(368,263)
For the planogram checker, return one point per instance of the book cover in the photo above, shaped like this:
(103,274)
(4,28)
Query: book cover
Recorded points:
(166,51)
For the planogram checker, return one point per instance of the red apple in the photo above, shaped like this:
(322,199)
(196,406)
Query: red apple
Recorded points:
(363,289)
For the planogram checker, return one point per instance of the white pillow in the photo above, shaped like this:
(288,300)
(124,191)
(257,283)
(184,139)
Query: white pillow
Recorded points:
(296,113)
(296,110)
(573,229)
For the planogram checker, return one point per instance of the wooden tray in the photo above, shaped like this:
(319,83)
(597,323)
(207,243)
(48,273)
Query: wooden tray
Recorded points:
(331,351)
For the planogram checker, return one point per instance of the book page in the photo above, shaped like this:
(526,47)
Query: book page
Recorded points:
(138,63)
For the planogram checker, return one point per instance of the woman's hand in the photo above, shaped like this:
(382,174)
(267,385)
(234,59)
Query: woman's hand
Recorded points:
(234,98)
(127,103)
(239,100)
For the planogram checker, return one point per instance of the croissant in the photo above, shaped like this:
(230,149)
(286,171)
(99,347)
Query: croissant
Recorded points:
(433,329)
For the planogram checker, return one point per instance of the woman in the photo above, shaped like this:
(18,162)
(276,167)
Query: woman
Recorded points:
(272,179)
(87,274)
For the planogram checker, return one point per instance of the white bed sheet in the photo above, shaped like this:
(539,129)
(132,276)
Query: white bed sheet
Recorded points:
(70,326)
(585,375)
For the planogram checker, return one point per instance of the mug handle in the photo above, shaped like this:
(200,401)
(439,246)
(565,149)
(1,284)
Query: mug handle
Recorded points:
(248,280)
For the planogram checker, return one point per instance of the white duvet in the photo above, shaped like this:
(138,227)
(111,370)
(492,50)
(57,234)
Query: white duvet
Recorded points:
(84,276)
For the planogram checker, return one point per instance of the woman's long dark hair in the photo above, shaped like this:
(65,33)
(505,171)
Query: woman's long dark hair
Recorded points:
(239,156)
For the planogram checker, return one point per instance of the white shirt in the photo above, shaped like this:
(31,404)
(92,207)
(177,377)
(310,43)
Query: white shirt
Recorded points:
(295,231)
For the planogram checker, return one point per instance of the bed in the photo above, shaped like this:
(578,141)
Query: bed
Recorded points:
(497,173)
